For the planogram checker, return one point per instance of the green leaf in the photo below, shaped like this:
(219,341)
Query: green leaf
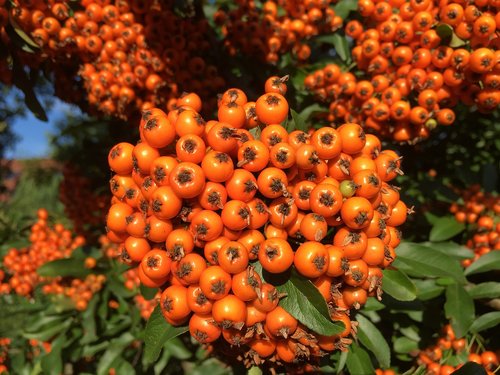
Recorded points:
(148,293)
(19,36)
(255,132)
(470,368)
(430,217)
(30,99)
(489,289)
(210,366)
(411,332)
(325,38)
(372,304)
(44,321)
(448,36)
(444,281)
(60,303)
(18,363)
(488,262)
(456,42)
(88,322)
(342,361)
(117,324)
(372,338)
(460,358)
(307,305)
(37,368)
(421,370)
(309,110)
(459,307)
(342,47)
(398,285)
(451,248)
(91,350)
(444,31)
(49,331)
(177,349)
(298,122)
(102,309)
(161,363)
(416,315)
(52,362)
(122,366)
(86,251)
(115,349)
(118,288)
(405,345)
(64,267)
(445,228)
(428,289)
(486,321)
(344,7)
(157,333)
(358,361)
(254,370)
(428,262)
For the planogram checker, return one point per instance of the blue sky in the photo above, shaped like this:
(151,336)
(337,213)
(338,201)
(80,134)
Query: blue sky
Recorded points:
(33,133)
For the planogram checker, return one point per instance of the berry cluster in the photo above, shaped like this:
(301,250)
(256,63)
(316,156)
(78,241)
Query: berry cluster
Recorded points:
(109,249)
(412,75)
(145,306)
(475,203)
(480,211)
(449,348)
(38,347)
(47,243)
(4,352)
(128,55)
(80,291)
(35,348)
(276,27)
(199,207)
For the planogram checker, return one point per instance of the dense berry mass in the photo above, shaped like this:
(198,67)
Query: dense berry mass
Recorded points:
(415,62)
(203,209)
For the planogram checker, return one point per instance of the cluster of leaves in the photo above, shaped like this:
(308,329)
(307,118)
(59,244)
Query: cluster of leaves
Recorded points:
(441,284)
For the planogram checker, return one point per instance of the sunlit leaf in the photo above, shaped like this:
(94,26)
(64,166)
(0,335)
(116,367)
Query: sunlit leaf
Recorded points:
(489,289)
(445,228)
(358,361)
(157,333)
(488,262)
(427,262)
(344,7)
(370,336)
(52,362)
(459,307)
(486,321)
(115,349)
(64,267)
(398,285)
